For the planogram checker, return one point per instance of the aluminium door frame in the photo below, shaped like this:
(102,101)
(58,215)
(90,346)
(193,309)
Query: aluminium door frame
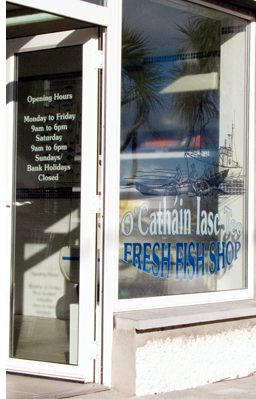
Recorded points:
(110,18)
(88,38)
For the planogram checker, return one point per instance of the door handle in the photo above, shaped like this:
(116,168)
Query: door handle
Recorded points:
(22,203)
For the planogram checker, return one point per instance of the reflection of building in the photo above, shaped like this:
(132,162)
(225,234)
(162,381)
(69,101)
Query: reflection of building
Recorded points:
(169,265)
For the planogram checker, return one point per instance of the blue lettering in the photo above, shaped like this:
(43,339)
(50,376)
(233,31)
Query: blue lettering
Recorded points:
(136,255)
(229,244)
(166,259)
(221,255)
(199,259)
(178,258)
(185,261)
(156,259)
(126,252)
(237,248)
(149,259)
(145,257)
(212,258)
(191,261)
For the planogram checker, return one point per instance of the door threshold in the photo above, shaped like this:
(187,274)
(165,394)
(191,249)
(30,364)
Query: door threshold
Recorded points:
(47,388)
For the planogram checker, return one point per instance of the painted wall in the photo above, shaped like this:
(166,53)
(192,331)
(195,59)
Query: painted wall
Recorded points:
(183,357)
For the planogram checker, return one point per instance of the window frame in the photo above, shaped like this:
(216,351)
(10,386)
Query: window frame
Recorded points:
(132,304)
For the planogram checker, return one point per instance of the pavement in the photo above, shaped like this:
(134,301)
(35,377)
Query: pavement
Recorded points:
(28,387)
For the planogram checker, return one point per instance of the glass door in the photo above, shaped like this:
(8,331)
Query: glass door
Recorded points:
(53,223)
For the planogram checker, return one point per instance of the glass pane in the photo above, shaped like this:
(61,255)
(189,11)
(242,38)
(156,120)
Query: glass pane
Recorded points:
(47,205)
(183,150)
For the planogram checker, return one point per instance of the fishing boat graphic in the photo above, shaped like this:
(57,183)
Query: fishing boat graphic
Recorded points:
(226,156)
(219,173)
(203,185)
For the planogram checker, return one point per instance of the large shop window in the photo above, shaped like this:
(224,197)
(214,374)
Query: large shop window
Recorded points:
(183,184)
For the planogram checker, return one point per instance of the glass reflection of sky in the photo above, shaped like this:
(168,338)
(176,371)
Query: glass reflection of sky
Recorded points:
(163,135)
(180,136)
(162,131)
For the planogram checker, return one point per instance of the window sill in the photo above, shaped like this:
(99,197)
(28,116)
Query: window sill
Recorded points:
(142,320)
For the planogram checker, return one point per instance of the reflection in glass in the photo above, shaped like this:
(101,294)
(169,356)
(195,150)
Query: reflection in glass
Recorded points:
(47,206)
(182,188)
(24,21)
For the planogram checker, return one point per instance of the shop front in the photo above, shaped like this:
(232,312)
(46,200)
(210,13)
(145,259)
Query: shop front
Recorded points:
(130,192)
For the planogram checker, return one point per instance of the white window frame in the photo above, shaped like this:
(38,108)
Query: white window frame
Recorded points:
(132,304)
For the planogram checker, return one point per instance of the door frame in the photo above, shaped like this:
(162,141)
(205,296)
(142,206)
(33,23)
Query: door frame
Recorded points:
(88,38)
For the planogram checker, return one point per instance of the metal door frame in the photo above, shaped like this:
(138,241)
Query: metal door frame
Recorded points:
(88,38)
